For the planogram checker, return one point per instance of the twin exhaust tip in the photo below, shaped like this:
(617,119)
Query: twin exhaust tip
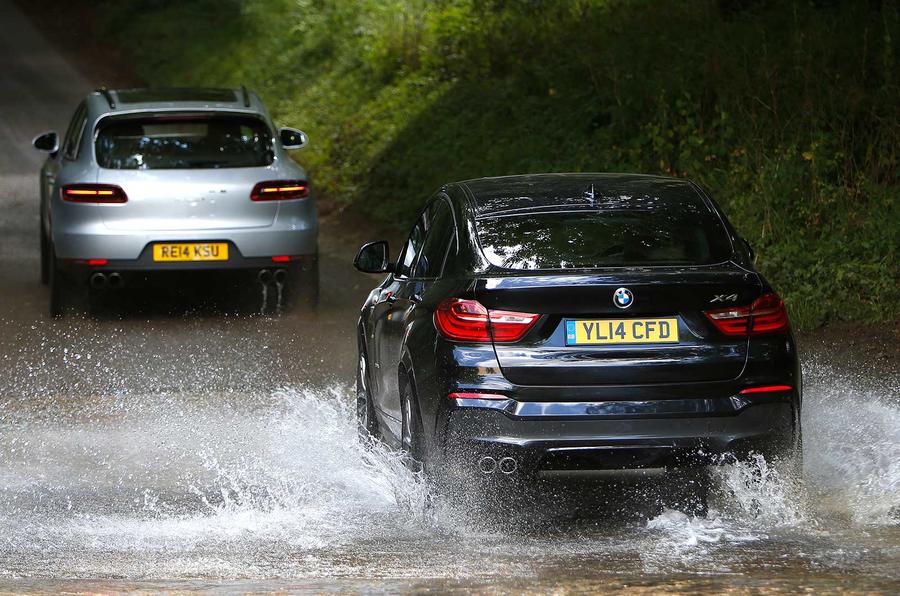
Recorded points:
(266,276)
(489,465)
(114,280)
(100,281)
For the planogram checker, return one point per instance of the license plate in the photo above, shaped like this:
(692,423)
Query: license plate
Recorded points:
(621,331)
(190,251)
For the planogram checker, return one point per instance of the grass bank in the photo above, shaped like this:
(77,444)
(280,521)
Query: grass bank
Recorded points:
(787,111)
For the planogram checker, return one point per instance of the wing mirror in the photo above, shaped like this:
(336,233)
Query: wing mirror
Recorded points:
(374,258)
(47,142)
(291,138)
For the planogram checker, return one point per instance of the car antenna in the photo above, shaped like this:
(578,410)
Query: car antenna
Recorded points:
(246,96)
(109,98)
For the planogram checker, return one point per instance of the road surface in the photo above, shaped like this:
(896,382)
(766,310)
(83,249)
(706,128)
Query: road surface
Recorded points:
(175,445)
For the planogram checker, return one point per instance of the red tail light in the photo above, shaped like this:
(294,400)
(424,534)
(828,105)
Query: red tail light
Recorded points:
(469,320)
(765,316)
(508,326)
(93,193)
(280,190)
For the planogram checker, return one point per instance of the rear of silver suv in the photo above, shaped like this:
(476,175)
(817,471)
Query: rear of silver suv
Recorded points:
(149,180)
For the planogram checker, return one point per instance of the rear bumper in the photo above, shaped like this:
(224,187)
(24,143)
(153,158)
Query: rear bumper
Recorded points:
(95,241)
(629,440)
(236,261)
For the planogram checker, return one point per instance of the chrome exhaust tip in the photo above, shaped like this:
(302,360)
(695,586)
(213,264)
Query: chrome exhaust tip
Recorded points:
(487,465)
(98,281)
(116,280)
(264,276)
(280,275)
(508,465)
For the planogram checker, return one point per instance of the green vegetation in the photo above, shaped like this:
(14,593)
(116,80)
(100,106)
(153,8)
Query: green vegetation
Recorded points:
(787,110)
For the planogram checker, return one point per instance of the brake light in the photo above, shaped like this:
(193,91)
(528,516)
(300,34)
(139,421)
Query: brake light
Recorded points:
(93,193)
(469,320)
(280,190)
(766,389)
(764,316)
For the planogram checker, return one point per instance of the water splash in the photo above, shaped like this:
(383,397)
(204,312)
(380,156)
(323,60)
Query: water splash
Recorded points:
(852,433)
(177,481)
(274,484)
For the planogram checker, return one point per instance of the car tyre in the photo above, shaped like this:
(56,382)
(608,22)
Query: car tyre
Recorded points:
(306,288)
(300,290)
(412,435)
(58,287)
(366,422)
(45,257)
(690,488)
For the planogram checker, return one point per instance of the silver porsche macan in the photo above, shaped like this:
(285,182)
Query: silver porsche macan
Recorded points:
(148,180)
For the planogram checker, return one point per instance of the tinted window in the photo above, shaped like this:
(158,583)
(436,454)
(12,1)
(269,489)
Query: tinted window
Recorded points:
(74,132)
(672,231)
(175,142)
(440,233)
(411,249)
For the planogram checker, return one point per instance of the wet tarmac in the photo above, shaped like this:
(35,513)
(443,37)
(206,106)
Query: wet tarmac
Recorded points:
(180,441)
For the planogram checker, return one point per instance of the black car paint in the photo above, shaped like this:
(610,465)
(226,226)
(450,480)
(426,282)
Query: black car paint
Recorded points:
(662,409)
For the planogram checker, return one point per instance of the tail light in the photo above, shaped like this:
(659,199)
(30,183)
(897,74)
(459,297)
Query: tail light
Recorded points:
(469,320)
(766,315)
(280,190)
(93,193)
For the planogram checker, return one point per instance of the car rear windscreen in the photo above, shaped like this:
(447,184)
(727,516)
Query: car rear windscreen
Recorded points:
(624,233)
(184,142)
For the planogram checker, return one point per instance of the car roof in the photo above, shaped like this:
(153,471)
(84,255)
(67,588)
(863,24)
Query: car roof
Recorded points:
(550,192)
(112,101)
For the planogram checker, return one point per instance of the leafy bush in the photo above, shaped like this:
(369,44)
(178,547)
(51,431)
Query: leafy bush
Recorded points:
(787,111)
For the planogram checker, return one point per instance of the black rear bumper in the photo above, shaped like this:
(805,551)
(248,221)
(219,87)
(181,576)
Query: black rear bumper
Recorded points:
(541,443)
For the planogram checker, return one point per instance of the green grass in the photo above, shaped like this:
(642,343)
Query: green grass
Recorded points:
(787,111)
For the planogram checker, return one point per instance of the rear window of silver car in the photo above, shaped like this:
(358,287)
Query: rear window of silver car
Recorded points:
(625,232)
(183,141)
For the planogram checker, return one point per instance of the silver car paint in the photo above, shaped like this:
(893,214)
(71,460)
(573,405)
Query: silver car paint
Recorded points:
(177,204)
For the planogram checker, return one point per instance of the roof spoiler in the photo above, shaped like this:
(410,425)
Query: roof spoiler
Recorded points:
(246,95)
(109,98)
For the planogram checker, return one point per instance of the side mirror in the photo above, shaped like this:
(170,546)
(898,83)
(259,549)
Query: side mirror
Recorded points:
(291,138)
(373,258)
(750,250)
(47,142)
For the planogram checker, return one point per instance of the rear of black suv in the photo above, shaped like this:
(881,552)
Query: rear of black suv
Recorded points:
(598,322)
(629,330)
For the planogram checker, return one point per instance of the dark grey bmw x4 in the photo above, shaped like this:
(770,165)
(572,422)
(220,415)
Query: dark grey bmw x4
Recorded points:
(575,321)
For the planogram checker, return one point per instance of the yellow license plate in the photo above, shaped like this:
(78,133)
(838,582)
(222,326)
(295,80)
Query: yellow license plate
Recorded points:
(621,331)
(190,251)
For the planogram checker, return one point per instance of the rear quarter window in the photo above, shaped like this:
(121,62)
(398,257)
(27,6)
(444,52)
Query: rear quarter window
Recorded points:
(625,232)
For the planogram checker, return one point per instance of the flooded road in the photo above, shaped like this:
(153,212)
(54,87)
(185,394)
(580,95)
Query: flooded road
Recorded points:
(182,443)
